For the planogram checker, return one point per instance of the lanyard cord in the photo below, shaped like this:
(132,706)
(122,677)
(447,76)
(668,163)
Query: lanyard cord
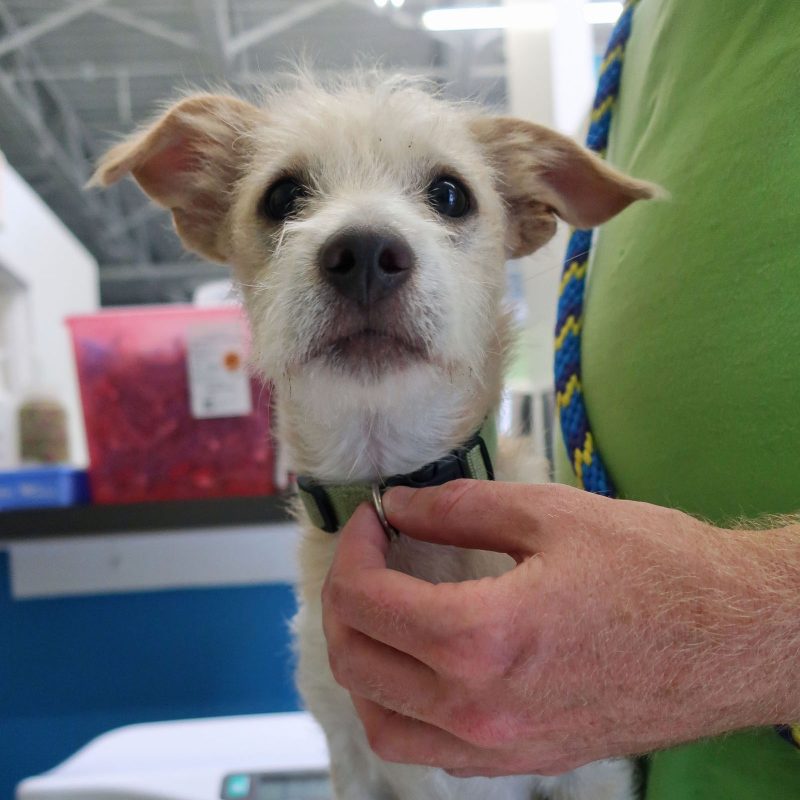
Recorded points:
(586,462)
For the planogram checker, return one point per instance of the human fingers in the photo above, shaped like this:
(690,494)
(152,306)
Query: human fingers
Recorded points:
(483,515)
(376,672)
(401,739)
(436,624)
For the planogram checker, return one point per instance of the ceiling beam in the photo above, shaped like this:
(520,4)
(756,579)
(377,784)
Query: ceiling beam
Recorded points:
(90,71)
(25,35)
(214,21)
(283,22)
(152,28)
(175,68)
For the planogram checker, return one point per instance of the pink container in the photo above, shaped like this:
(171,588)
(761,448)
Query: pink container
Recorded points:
(169,409)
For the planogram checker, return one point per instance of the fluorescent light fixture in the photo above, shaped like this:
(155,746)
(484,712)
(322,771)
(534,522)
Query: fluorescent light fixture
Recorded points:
(381,3)
(602,13)
(525,16)
(532,16)
(398,3)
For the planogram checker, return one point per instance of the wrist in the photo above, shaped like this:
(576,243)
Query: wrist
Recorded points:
(776,554)
(755,636)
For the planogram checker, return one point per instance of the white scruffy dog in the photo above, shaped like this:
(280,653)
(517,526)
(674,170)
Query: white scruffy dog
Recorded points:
(368,225)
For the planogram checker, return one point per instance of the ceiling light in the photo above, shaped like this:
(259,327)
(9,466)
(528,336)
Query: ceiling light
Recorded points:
(530,16)
(381,3)
(398,3)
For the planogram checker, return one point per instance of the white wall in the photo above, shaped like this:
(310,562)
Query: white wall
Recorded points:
(573,78)
(550,81)
(55,277)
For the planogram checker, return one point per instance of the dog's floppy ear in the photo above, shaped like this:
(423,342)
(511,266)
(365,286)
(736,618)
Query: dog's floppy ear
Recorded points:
(541,172)
(187,161)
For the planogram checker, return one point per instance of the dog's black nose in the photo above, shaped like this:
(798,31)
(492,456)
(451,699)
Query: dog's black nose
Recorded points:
(366,266)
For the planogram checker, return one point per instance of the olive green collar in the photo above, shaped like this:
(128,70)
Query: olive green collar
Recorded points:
(330,505)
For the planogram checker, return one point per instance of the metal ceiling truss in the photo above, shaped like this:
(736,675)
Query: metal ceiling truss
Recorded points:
(179,38)
(214,22)
(119,220)
(20,37)
(75,156)
(276,25)
(50,148)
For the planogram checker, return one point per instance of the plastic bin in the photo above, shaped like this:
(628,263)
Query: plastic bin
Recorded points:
(170,411)
(42,486)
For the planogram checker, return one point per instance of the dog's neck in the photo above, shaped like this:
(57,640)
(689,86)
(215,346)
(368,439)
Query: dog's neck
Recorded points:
(393,427)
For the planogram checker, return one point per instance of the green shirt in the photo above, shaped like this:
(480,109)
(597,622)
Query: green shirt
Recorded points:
(691,342)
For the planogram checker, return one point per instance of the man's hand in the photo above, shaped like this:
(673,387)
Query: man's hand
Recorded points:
(623,627)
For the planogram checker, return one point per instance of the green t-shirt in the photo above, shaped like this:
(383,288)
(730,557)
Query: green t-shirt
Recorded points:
(691,343)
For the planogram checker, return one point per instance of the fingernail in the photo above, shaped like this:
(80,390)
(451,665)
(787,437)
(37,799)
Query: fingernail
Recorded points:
(397,498)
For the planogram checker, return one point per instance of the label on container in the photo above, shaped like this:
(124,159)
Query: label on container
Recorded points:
(219,385)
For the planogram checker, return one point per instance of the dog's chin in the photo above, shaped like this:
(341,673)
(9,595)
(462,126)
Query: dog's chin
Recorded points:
(371,354)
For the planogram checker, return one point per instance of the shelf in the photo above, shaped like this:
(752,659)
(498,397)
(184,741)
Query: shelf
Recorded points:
(167,515)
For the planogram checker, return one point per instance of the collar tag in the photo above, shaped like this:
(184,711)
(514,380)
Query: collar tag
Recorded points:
(377,502)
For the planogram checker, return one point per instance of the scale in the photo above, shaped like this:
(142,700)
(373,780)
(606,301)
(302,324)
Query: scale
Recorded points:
(259,757)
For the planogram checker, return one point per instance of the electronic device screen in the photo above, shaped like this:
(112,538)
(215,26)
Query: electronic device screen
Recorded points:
(277,786)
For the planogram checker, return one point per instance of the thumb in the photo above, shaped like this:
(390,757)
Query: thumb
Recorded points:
(483,515)
(362,542)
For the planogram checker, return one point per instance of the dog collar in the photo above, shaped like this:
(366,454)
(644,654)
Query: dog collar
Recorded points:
(330,505)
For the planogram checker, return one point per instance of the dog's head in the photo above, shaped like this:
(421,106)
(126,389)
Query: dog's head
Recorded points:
(368,226)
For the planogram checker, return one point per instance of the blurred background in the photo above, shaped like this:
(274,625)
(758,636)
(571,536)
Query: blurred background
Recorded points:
(76,75)
(130,590)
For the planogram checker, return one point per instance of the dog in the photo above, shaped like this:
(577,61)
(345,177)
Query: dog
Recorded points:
(368,224)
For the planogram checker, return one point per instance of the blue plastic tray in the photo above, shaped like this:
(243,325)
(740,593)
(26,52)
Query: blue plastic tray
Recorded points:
(43,486)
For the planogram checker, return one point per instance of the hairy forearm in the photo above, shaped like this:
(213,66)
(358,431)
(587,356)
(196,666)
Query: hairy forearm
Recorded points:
(737,632)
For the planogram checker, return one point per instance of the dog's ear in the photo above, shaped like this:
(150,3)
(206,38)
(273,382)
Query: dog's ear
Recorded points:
(187,161)
(540,172)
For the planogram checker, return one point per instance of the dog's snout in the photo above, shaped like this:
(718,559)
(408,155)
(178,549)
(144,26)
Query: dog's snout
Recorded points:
(366,266)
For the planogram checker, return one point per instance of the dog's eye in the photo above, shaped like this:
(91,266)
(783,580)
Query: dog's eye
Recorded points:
(448,197)
(282,198)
